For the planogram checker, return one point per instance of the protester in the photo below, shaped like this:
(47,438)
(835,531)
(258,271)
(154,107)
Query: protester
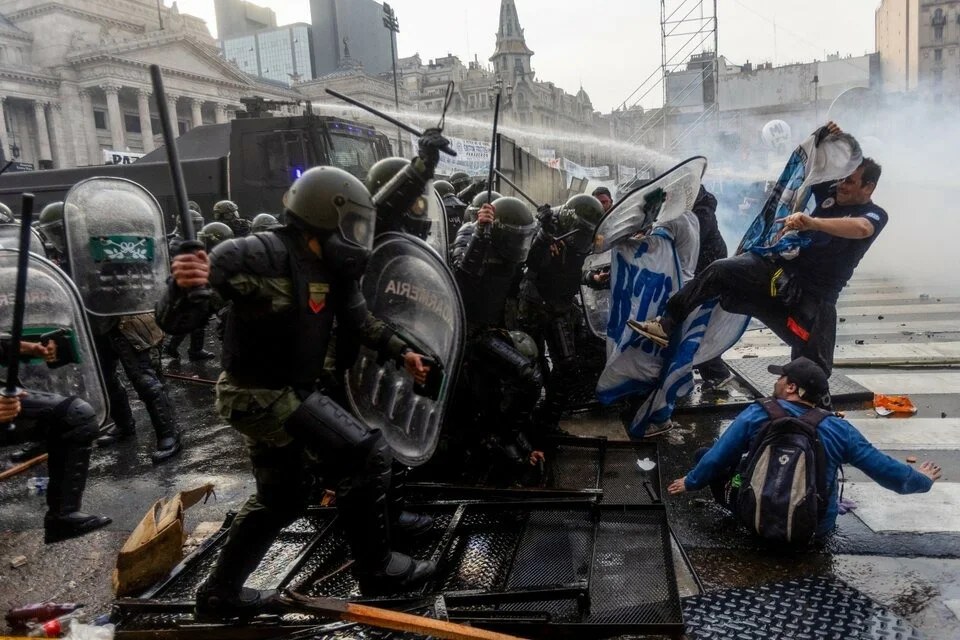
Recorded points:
(603,195)
(801,385)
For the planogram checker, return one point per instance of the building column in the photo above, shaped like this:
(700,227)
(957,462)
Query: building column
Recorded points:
(89,128)
(174,120)
(60,158)
(196,115)
(4,134)
(43,137)
(114,116)
(146,126)
(220,113)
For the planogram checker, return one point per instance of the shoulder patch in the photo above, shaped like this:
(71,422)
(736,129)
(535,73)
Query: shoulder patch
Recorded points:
(828,203)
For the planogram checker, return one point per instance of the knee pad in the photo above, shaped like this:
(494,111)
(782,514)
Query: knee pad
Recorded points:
(78,420)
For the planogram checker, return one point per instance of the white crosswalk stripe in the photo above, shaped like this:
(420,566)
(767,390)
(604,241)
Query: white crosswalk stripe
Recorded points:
(901,337)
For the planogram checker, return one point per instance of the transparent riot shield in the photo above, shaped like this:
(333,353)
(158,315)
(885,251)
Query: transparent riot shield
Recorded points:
(664,198)
(596,302)
(53,311)
(408,286)
(438,221)
(116,245)
(10,239)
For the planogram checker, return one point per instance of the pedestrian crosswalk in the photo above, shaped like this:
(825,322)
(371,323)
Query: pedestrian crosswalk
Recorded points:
(888,326)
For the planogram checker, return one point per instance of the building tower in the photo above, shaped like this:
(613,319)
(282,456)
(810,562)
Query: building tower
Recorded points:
(511,57)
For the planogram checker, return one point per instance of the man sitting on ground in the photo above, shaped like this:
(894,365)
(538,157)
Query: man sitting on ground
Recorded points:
(802,385)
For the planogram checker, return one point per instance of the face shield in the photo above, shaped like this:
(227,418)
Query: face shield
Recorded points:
(582,231)
(513,242)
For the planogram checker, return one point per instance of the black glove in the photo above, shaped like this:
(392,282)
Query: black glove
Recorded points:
(429,147)
(547,218)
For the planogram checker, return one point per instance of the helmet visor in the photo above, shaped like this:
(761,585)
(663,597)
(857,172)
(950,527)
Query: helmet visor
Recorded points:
(357,226)
(569,221)
(512,241)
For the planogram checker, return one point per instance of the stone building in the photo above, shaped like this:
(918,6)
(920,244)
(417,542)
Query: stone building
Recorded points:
(75,82)
(919,46)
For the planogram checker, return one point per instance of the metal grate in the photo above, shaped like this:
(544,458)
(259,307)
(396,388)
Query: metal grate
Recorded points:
(805,608)
(753,371)
(480,553)
(575,465)
(633,579)
(624,480)
(553,550)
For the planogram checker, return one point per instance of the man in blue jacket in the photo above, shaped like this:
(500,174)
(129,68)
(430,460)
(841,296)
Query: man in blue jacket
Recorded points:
(802,384)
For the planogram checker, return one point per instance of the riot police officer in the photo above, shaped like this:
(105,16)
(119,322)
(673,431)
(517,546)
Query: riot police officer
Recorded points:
(460,180)
(413,219)
(6,215)
(500,385)
(50,225)
(289,284)
(548,310)
(68,425)
(227,212)
(453,206)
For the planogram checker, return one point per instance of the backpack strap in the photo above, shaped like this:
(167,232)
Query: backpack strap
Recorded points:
(773,408)
(814,416)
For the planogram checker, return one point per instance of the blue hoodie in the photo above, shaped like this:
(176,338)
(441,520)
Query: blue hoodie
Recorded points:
(842,444)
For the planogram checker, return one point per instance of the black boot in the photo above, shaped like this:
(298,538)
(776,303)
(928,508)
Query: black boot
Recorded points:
(222,594)
(405,524)
(29,452)
(114,433)
(68,464)
(197,352)
(161,415)
(172,348)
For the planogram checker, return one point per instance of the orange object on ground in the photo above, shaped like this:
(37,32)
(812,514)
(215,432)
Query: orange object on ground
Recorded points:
(885,405)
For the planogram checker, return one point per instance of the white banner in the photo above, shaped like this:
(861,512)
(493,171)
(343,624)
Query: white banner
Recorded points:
(119,157)
(546,154)
(574,170)
(472,157)
(625,173)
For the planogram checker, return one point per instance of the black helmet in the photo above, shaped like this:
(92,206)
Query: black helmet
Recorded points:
(513,228)
(334,205)
(470,215)
(193,206)
(460,181)
(213,234)
(50,224)
(6,215)
(195,217)
(225,210)
(581,213)
(443,187)
(381,173)
(262,222)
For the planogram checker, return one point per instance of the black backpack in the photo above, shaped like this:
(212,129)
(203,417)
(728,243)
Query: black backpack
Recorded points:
(783,492)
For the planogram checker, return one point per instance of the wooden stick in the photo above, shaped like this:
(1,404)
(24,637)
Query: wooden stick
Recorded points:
(23,466)
(386,618)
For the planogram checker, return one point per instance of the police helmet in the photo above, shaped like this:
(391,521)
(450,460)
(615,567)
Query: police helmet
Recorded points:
(334,205)
(193,206)
(50,224)
(581,213)
(6,215)
(460,181)
(470,215)
(513,228)
(383,171)
(262,222)
(525,345)
(225,210)
(213,234)
(444,188)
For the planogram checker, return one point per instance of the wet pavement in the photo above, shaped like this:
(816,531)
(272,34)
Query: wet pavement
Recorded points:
(915,574)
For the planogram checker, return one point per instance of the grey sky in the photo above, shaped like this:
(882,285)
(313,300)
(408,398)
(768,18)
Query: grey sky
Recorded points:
(611,46)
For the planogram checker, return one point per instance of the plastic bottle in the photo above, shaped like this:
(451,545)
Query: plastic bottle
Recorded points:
(56,627)
(18,618)
(37,486)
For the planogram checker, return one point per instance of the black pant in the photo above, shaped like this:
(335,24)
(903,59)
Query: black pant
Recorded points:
(743,284)
(143,370)
(196,341)
(69,425)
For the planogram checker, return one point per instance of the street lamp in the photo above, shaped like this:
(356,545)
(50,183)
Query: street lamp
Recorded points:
(393,27)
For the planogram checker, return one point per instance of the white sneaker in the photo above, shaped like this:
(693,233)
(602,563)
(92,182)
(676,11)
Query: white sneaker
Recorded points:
(652,330)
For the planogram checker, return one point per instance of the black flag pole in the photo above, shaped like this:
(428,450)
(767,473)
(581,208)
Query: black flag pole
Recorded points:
(12,388)
(493,143)
(517,189)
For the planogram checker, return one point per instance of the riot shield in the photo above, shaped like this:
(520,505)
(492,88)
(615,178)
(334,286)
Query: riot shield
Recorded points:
(409,286)
(116,245)
(438,221)
(664,198)
(596,302)
(10,239)
(54,310)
